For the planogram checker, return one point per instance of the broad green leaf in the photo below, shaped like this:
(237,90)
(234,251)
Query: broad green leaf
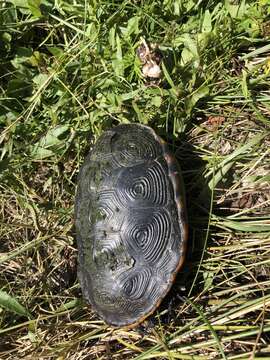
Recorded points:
(92,32)
(55,51)
(198,94)
(36,58)
(19,88)
(129,95)
(52,136)
(190,4)
(177,4)
(34,7)
(42,149)
(6,37)
(191,44)
(132,27)
(22,56)
(207,23)
(236,10)
(41,79)
(40,153)
(156,101)
(10,303)
(186,56)
(117,62)
(21,5)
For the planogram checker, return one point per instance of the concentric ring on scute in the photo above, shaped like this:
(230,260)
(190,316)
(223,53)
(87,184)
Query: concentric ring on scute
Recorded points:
(147,233)
(136,283)
(130,222)
(127,150)
(140,185)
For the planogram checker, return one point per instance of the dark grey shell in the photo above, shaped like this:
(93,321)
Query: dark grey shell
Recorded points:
(130,223)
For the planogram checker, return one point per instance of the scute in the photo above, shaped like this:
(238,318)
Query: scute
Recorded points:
(130,224)
(139,185)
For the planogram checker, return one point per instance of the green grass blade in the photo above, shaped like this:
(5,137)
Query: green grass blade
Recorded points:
(10,303)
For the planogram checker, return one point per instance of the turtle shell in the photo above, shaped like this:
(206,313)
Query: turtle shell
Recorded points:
(130,222)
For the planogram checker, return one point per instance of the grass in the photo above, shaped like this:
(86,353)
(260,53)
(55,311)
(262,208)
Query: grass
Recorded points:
(68,71)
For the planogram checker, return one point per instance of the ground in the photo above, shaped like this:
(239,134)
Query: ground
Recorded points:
(68,71)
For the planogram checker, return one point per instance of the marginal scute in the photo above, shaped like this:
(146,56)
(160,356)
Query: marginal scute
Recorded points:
(130,223)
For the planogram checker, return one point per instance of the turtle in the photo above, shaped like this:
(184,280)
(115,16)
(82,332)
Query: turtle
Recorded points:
(131,224)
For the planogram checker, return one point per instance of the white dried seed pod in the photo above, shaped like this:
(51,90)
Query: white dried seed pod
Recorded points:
(151,70)
(142,54)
